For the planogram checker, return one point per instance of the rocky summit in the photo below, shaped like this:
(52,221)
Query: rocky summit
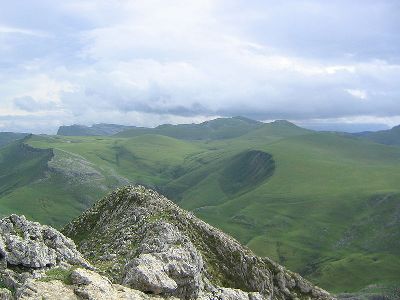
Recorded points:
(136,244)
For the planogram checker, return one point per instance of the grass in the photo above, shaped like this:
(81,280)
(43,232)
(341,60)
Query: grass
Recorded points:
(9,137)
(222,128)
(64,275)
(322,204)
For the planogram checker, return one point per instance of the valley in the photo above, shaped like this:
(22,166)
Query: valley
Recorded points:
(323,204)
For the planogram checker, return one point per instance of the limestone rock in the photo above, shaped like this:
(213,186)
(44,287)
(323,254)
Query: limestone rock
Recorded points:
(29,244)
(28,250)
(234,294)
(168,263)
(38,290)
(90,285)
(153,245)
(147,273)
(85,284)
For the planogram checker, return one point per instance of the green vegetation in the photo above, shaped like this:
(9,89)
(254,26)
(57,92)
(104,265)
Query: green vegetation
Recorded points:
(375,292)
(323,204)
(94,130)
(386,137)
(9,137)
(21,165)
(246,170)
(222,128)
(64,275)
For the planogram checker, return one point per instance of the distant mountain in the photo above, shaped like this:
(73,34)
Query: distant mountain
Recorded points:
(94,130)
(386,137)
(8,137)
(221,128)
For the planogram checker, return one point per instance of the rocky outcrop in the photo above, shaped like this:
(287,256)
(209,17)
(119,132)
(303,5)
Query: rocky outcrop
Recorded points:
(28,250)
(85,284)
(168,263)
(140,239)
(31,245)
(141,246)
(38,262)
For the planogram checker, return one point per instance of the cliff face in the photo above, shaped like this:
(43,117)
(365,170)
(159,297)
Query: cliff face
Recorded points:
(140,245)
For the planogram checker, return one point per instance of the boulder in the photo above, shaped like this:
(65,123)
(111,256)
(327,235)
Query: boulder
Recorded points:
(31,245)
(167,263)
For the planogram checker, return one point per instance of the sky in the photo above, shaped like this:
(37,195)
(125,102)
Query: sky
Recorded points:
(321,64)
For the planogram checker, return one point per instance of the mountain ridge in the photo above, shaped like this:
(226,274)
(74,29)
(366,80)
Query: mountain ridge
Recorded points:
(314,213)
(9,137)
(220,128)
(101,129)
(136,244)
(386,137)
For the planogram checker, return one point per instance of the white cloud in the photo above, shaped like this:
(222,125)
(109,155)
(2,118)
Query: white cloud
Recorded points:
(23,31)
(149,62)
(361,94)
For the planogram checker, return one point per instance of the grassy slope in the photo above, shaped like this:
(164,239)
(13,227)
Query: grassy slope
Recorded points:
(305,215)
(330,210)
(94,130)
(9,137)
(222,128)
(43,194)
(386,137)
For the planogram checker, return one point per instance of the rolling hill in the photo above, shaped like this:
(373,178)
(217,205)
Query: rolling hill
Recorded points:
(8,137)
(386,137)
(94,130)
(221,128)
(322,204)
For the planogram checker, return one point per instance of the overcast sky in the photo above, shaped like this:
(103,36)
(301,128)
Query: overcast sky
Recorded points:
(149,62)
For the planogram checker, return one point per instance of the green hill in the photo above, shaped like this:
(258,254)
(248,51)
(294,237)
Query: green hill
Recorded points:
(323,204)
(386,137)
(222,128)
(8,137)
(21,165)
(320,213)
(94,130)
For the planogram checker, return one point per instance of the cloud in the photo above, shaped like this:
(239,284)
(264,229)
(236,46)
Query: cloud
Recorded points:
(148,62)
(361,94)
(31,105)
(13,30)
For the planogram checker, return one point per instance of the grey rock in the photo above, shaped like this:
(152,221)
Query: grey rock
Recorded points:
(28,249)
(90,285)
(29,244)
(234,294)
(168,263)
(5,294)
(38,290)
(147,273)
(86,284)
(165,250)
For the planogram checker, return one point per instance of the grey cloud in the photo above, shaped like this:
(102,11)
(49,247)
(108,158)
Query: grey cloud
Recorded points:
(260,59)
(344,30)
(31,105)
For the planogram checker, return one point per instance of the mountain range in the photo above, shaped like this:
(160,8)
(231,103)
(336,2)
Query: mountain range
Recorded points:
(96,129)
(323,204)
